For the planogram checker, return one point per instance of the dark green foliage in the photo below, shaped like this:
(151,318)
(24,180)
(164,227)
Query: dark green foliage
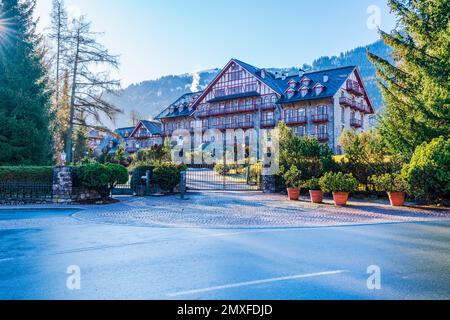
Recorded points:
(293,177)
(416,88)
(138,172)
(26,174)
(428,173)
(25,137)
(310,157)
(100,177)
(366,155)
(389,183)
(338,182)
(312,184)
(167,176)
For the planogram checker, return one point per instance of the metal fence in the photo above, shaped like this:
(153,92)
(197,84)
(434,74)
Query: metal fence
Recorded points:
(26,191)
(204,177)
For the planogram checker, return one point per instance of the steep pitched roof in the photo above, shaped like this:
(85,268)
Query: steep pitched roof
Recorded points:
(154,127)
(124,132)
(186,100)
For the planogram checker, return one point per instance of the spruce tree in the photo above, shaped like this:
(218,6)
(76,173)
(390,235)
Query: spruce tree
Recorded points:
(416,89)
(25,137)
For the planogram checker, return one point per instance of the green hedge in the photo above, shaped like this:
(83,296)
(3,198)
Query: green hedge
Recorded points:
(26,174)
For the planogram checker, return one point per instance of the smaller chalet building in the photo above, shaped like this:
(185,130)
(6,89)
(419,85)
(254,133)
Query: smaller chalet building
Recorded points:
(320,104)
(145,135)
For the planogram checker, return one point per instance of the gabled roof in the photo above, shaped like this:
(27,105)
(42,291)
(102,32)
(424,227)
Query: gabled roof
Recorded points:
(154,127)
(124,132)
(188,100)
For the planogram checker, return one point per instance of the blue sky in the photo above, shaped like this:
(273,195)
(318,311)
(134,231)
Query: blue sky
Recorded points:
(162,37)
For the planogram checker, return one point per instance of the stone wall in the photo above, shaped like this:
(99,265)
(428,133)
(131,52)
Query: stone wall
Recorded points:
(62,184)
(65,192)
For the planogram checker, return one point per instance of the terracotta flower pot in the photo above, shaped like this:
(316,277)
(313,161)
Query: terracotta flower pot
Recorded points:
(397,199)
(293,194)
(316,196)
(341,198)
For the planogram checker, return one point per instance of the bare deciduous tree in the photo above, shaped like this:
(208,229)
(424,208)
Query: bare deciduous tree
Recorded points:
(91,65)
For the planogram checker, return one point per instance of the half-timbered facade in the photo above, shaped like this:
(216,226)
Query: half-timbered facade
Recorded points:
(320,104)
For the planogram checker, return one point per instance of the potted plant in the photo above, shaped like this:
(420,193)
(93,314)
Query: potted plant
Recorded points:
(315,191)
(340,185)
(394,185)
(292,180)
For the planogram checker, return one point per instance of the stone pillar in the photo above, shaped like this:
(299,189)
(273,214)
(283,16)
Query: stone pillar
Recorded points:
(269,184)
(62,184)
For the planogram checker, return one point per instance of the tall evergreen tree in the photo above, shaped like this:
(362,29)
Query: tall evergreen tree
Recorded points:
(24,96)
(416,90)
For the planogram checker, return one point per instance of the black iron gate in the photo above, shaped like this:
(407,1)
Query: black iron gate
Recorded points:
(229,177)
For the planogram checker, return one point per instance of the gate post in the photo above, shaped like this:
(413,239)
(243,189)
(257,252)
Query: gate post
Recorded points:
(183,185)
(269,183)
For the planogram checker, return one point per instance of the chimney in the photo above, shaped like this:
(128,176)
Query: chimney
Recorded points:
(301,72)
(325,78)
(263,73)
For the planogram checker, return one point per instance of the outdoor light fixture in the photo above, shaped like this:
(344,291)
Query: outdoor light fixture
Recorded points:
(63,157)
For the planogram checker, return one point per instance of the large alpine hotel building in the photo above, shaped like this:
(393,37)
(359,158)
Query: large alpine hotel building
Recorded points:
(320,104)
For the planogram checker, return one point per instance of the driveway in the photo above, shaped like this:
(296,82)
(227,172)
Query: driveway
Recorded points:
(145,261)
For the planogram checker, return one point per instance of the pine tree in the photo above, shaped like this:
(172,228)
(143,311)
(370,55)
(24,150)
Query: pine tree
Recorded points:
(416,89)
(25,137)
(61,121)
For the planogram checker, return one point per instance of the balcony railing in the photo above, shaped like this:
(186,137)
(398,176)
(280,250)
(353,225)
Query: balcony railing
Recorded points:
(322,137)
(354,87)
(356,123)
(267,123)
(345,101)
(320,118)
(227,110)
(236,125)
(268,106)
(296,120)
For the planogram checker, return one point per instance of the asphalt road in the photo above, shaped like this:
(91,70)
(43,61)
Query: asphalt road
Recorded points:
(121,262)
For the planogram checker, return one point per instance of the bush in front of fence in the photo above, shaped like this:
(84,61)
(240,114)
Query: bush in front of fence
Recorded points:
(26,174)
(100,177)
(168,176)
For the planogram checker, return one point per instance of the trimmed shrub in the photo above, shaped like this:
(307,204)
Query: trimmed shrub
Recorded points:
(312,184)
(167,176)
(389,183)
(428,173)
(338,182)
(293,178)
(26,174)
(100,177)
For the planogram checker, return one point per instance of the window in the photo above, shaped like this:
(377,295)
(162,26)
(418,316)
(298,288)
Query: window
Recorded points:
(342,114)
(288,115)
(274,99)
(248,118)
(322,110)
(219,92)
(304,92)
(234,90)
(238,75)
(318,89)
(250,87)
(322,129)
(290,94)
(300,131)
(306,82)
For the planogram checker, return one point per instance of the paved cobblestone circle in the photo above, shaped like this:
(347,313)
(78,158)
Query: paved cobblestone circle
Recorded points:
(249,210)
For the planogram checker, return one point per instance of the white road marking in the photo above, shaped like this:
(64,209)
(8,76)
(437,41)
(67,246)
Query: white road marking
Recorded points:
(251,283)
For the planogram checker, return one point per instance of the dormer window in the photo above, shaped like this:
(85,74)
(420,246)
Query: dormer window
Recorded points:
(180,108)
(318,89)
(304,91)
(171,109)
(292,84)
(290,93)
(306,82)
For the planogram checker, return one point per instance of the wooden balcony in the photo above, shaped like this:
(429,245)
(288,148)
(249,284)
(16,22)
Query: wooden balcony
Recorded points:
(344,101)
(224,126)
(322,137)
(320,118)
(356,123)
(268,106)
(355,88)
(296,121)
(268,123)
(227,110)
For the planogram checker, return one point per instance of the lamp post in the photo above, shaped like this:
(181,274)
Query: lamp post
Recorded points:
(63,158)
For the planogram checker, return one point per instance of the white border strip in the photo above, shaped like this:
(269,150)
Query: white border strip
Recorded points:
(251,283)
